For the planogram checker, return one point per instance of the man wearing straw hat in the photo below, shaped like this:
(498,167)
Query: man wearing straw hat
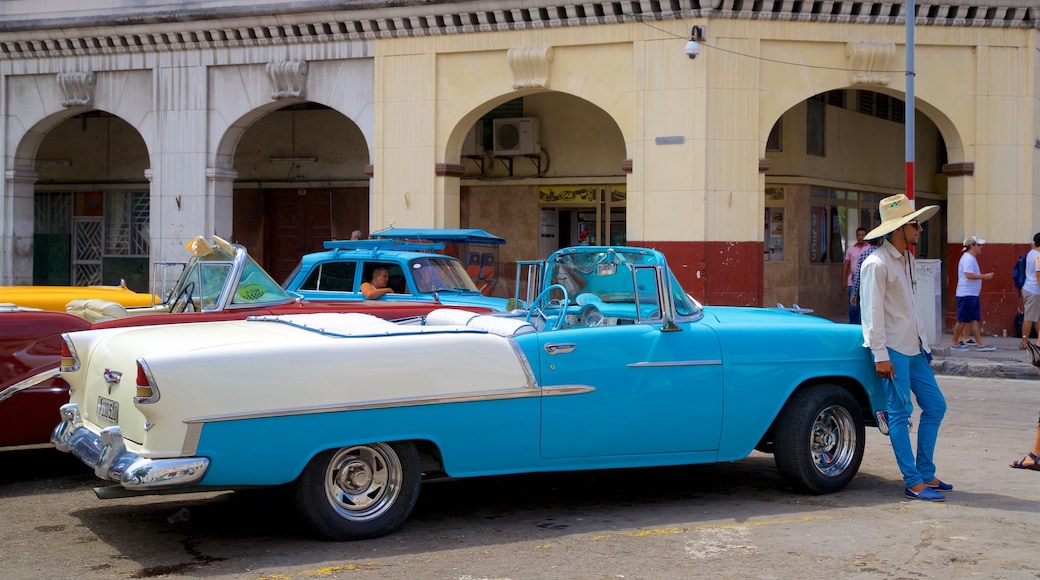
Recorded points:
(894,332)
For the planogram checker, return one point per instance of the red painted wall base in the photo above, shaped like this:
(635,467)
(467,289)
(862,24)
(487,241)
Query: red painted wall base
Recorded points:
(999,298)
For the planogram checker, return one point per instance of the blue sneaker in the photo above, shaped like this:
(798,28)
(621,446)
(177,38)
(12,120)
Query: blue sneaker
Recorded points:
(986,348)
(943,486)
(927,494)
(960,346)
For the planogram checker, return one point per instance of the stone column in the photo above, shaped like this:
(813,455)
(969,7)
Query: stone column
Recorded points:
(18,252)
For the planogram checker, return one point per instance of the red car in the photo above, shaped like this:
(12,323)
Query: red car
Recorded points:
(220,282)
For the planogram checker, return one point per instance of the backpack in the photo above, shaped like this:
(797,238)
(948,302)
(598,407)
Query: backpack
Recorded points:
(1019,272)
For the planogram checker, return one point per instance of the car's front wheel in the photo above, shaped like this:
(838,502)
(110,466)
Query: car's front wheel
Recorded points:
(820,439)
(361,491)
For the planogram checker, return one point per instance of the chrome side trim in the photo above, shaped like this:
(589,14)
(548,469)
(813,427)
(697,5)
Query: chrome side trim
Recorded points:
(562,390)
(191,439)
(677,363)
(516,393)
(532,382)
(107,454)
(29,382)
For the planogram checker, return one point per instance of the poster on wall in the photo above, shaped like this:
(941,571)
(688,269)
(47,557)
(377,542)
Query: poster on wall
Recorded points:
(819,225)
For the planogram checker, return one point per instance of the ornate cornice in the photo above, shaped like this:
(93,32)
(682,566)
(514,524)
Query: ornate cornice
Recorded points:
(311,21)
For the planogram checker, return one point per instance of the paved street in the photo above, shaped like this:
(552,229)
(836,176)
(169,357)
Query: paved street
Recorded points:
(731,520)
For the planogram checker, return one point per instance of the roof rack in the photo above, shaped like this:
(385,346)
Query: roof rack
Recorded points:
(384,244)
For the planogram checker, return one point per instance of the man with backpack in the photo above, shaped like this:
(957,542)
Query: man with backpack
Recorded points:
(1030,289)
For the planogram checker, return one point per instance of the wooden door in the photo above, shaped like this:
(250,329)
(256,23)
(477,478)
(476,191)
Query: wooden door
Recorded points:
(298,220)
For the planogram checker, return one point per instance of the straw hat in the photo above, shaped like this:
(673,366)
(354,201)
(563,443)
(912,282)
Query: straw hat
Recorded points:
(896,211)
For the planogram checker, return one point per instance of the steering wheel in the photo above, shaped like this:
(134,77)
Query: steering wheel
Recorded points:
(561,304)
(590,316)
(185,295)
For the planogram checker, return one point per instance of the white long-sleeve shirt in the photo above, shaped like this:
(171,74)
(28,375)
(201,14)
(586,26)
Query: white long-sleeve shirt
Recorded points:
(888,304)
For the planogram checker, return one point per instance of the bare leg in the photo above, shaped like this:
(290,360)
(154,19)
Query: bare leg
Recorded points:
(977,332)
(1029,461)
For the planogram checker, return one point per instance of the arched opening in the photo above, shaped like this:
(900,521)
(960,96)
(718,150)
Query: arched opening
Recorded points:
(832,158)
(544,171)
(301,180)
(91,206)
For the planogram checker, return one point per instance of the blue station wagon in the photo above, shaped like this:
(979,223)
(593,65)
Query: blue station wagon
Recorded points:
(416,274)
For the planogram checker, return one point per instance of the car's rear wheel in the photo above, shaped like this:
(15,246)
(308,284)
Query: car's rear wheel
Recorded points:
(361,491)
(820,439)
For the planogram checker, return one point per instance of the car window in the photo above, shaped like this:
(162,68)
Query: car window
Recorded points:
(331,277)
(256,285)
(397,280)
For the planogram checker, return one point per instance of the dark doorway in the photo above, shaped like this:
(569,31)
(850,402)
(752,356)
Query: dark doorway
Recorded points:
(298,220)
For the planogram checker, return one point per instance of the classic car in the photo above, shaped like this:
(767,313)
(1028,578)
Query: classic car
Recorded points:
(612,365)
(220,282)
(56,297)
(417,273)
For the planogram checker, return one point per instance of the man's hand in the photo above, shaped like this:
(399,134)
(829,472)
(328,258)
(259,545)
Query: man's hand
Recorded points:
(885,369)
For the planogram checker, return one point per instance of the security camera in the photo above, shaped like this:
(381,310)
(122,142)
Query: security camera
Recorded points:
(693,48)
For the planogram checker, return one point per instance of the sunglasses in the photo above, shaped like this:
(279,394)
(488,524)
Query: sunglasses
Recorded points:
(915,224)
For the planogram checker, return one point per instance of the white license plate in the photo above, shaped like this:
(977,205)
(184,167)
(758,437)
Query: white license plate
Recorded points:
(108,409)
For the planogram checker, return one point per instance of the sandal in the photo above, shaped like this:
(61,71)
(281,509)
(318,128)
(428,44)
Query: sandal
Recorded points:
(1035,466)
(1034,354)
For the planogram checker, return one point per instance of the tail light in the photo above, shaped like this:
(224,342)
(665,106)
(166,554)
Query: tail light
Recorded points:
(147,392)
(69,358)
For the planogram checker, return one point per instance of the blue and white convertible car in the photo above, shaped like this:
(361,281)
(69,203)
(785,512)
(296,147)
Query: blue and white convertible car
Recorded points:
(612,365)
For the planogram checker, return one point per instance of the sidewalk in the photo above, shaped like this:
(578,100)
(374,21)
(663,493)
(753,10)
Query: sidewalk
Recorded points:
(1007,362)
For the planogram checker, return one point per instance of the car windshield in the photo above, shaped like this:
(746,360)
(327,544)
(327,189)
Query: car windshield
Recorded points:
(607,274)
(437,274)
(206,278)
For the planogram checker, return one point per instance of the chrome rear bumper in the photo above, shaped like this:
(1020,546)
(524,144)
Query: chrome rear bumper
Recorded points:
(107,454)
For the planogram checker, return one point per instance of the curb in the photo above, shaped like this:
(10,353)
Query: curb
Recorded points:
(1000,364)
(985,369)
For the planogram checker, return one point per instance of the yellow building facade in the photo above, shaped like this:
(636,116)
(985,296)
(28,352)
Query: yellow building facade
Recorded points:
(547,123)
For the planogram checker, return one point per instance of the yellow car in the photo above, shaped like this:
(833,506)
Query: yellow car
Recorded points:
(56,297)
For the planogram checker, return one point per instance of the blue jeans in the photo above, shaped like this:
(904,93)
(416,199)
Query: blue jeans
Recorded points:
(853,310)
(914,374)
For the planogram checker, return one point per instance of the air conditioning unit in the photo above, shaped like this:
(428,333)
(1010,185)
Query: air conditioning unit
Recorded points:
(473,146)
(517,136)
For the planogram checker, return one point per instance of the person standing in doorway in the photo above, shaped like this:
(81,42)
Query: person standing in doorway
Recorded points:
(894,331)
(854,288)
(1031,293)
(969,286)
(848,271)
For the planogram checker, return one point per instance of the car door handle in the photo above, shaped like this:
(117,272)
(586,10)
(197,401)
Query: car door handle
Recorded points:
(564,348)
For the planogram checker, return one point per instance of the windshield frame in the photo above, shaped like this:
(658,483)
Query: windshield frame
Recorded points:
(588,270)
(225,277)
